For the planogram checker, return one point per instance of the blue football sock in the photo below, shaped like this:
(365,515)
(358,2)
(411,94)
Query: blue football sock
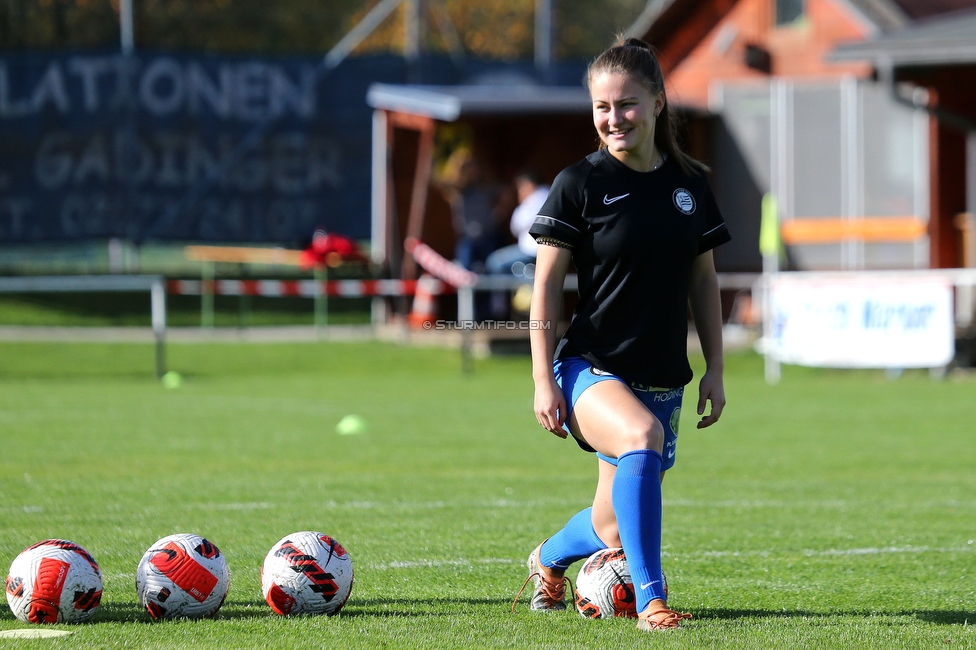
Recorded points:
(577,540)
(636,496)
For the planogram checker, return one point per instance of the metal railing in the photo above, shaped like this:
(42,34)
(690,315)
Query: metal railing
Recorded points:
(154,284)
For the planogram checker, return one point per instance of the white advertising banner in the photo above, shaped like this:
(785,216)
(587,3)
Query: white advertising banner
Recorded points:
(862,323)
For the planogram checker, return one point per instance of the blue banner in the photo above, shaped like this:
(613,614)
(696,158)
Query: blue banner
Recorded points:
(192,147)
(184,147)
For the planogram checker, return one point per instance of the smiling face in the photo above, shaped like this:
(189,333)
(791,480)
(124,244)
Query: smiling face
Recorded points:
(624,114)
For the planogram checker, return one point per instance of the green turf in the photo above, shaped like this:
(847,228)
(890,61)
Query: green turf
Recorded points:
(835,510)
(132,309)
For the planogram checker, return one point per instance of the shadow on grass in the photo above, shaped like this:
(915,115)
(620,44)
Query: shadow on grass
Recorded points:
(371,608)
(939,617)
(389,607)
(947,618)
(134,613)
(450,606)
(436,607)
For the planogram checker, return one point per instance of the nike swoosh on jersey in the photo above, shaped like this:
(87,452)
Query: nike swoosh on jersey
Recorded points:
(607,200)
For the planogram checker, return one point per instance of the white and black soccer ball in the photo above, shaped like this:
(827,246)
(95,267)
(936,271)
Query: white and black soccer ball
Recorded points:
(307,573)
(54,581)
(604,588)
(182,576)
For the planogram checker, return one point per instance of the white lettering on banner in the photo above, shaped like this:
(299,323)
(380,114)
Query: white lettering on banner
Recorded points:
(286,95)
(88,70)
(13,210)
(49,92)
(77,214)
(249,91)
(96,213)
(10,107)
(860,323)
(264,90)
(217,95)
(93,163)
(53,162)
(169,148)
(289,163)
(161,89)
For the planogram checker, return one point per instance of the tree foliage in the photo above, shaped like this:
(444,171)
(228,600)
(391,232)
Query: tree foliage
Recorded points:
(501,29)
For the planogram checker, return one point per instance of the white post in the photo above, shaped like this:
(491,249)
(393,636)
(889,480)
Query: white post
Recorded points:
(966,311)
(126,28)
(158,301)
(850,165)
(413,30)
(773,372)
(379,235)
(776,206)
(971,173)
(543,35)
(466,321)
(769,245)
(355,36)
(379,200)
(966,294)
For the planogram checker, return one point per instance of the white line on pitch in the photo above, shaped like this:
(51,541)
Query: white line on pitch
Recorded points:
(255,505)
(546,503)
(833,503)
(425,564)
(397,505)
(829,552)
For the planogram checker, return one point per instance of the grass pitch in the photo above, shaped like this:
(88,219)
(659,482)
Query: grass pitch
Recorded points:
(835,510)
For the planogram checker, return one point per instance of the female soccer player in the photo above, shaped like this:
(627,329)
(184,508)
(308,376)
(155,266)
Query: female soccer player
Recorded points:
(639,221)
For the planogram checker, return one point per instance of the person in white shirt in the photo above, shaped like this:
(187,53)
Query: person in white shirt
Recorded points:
(519,259)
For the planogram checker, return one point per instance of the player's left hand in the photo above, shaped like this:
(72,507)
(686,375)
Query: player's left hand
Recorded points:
(711,389)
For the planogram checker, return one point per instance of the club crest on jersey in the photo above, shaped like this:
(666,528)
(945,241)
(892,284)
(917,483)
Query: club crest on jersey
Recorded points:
(683,200)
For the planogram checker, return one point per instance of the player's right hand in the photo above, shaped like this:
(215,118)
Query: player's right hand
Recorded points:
(550,407)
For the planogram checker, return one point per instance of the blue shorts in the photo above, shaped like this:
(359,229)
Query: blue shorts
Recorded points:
(575,375)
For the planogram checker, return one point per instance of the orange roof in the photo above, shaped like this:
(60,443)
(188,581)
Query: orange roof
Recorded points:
(709,43)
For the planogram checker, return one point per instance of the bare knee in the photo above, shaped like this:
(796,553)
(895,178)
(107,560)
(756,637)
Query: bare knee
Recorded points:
(648,434)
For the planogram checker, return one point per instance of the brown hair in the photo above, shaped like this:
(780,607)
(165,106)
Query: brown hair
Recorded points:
(635,58)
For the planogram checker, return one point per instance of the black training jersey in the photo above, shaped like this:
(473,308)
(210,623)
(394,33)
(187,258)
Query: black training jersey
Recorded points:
(634,236)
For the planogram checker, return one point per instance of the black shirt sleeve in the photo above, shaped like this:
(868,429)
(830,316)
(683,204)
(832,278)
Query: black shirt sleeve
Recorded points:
(560,218)
(716,232)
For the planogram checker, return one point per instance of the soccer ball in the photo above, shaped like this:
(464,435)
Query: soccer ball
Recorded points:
(604,588)
(54,581)
(306,573)
(184,576)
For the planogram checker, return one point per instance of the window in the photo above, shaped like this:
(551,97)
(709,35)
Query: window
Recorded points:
(788,12)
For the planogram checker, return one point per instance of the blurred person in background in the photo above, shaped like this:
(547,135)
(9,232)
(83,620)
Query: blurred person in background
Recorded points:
(519,258)
(475,209)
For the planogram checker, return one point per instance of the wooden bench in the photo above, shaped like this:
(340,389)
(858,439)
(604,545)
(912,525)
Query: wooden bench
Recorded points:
(209,256)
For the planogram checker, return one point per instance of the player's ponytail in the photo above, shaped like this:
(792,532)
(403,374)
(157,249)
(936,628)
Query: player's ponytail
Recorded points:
(635,58)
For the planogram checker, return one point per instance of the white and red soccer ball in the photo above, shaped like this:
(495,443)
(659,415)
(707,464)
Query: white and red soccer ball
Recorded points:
(54,581)
(182,576)
(604,588)
(307,573)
